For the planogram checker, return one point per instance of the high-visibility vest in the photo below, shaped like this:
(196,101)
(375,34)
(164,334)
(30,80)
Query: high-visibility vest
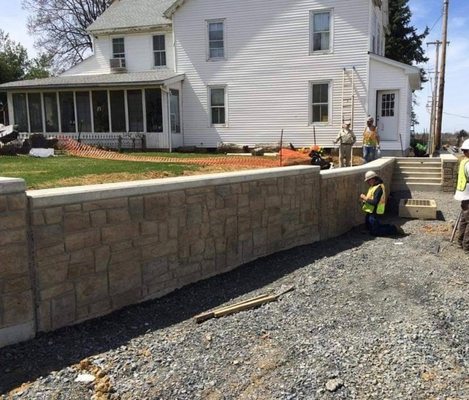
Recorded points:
(462,188)
(369,208)
(370,136)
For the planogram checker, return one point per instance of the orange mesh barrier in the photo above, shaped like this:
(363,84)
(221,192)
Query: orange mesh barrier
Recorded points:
(74,148)
(293,157)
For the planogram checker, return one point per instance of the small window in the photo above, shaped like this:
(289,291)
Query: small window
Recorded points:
(118,50)
(216,43)
(217,106)
(320,102)
(320,31)
(159,51)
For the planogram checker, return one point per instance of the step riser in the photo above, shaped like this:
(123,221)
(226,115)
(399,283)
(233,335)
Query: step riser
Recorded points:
(415,175)
(418,187)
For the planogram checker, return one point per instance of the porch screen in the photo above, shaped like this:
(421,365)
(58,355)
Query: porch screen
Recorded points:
(100,111)
(35,112)
(51,112)
(154,110)
(67,112)
(117,111)
(135,106)
(83,111)
(19,109)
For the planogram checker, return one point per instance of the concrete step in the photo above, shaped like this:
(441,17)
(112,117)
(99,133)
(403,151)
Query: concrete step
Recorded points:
(419,174)
(418,159)
(421,187)
(412,179)
(417,168)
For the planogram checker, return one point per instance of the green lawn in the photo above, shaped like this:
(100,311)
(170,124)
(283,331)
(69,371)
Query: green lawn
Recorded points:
(40,173)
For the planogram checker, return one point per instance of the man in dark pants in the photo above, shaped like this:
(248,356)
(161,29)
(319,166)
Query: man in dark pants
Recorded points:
(373,204)
(462,194)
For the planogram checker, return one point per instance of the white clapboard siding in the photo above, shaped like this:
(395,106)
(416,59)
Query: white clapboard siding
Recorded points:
(268,68)
(138,54)
(388,77)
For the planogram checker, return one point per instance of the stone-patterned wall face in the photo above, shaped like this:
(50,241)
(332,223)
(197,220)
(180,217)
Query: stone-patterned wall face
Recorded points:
(95,256)
(450,166)
(16,297)
(78,253)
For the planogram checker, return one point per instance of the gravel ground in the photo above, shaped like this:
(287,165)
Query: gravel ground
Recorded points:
(370,318)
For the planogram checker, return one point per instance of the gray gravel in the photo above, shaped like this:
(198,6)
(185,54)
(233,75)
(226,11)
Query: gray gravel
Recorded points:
(370,318)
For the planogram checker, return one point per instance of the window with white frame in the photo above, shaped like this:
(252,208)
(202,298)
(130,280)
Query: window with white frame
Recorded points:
(216,39)
(159,51)
(217,105)
(320,26)
(118,50)
(320,102)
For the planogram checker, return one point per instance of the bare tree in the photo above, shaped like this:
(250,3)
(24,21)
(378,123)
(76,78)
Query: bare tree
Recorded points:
(60,27)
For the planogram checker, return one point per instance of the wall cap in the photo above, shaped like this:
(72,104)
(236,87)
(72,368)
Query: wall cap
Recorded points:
(80,194)
(12,185)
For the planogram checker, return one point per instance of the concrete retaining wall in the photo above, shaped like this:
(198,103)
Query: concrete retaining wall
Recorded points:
(95,249)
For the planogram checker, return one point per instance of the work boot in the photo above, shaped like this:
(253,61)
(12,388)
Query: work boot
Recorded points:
(400,231)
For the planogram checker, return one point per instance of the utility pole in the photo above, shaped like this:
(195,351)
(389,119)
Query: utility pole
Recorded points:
(441,89)
(432,137)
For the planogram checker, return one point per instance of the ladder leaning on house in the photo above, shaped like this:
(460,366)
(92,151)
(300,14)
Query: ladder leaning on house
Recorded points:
(348,94)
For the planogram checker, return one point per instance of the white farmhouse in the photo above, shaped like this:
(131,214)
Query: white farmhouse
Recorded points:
(202,72)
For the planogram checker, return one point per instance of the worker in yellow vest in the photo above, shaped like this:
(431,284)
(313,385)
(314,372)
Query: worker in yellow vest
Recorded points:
(374,204)
(462,194)
(371,141)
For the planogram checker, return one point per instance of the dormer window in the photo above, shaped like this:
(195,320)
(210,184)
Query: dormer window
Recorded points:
(159,51)
(320,31)
(118,50)
(216,39)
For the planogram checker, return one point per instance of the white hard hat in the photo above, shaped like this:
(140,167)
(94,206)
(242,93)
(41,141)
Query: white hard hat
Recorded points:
(465,145)
(370,174)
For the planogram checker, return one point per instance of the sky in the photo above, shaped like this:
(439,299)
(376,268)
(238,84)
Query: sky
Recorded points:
(13,20)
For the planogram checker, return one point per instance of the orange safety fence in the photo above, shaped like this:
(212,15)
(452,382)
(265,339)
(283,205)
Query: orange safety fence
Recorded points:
(74,148)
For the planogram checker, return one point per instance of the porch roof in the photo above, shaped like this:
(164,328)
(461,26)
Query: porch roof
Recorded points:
(156,77)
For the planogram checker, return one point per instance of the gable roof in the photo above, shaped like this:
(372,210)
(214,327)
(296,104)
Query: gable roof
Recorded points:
(124,15)
(411,71)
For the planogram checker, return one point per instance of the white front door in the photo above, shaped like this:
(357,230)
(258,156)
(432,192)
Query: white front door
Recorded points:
(387,116)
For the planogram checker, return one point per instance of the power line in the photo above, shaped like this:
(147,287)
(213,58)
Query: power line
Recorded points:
(436,22)
(457,115)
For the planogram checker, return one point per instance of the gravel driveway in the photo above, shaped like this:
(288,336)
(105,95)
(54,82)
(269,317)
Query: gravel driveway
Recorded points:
(370,318)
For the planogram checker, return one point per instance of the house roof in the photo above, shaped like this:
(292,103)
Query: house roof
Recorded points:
(410,70)
(159,76)
(124,15)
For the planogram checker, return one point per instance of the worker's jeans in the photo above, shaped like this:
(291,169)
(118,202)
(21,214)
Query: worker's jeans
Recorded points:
(463,234)
(376,228)
(369,153)
(345,155)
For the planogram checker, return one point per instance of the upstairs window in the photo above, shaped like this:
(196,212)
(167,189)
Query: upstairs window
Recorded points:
(320,25)
(159,51)
(216,42)
(118,50)
(320,102)
(217,106)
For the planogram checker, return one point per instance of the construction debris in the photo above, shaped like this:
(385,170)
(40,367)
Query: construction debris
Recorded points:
(242,305)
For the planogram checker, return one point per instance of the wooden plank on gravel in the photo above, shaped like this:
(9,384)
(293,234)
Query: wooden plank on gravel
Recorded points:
(242,305)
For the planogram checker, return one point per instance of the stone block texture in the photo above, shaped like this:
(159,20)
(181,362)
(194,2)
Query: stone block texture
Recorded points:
(16,289)
(450,168)
(96,256)
(71,256)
